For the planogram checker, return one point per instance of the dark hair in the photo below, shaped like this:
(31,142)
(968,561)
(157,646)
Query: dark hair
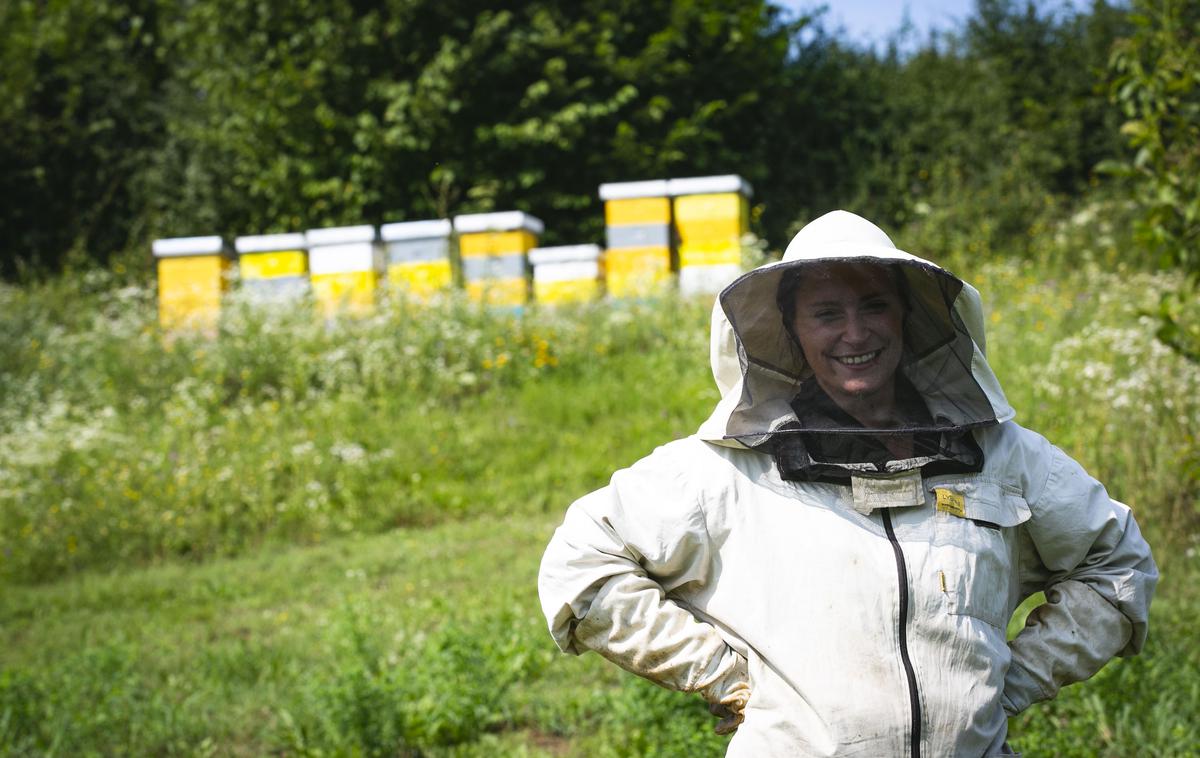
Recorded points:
(785,300)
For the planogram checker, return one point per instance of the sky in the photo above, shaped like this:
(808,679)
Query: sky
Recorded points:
(871,21)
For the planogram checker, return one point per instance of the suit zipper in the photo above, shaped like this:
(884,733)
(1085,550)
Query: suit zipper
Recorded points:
(914,697)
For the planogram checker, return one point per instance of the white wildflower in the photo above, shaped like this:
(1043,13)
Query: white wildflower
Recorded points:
(348,452)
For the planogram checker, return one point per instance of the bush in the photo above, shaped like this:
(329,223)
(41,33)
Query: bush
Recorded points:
(100,696)
(416,692)
(644,719)
(118,446)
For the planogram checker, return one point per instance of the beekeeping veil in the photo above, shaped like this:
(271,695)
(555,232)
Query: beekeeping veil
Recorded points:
(769,398)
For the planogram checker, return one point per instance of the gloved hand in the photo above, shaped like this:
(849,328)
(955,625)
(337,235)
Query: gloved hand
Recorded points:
(730,719)
(729,708)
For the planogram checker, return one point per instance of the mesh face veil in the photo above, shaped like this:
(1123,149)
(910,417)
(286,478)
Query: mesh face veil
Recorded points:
(847,325)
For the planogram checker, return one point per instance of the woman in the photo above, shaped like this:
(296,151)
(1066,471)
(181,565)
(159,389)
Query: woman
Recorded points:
(832,559)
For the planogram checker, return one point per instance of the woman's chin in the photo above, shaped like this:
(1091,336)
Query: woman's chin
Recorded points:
(860,388)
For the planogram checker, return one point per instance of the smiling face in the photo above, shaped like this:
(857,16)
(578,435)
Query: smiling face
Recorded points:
(849,321)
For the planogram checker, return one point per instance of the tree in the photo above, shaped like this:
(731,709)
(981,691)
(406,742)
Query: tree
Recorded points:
(79,117)
(985,128)
(331,111)
(1156,83)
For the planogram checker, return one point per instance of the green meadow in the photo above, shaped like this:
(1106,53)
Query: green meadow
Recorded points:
(301,538)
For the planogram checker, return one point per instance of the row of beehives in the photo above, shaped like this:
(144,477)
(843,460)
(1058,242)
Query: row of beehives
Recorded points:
(656,231)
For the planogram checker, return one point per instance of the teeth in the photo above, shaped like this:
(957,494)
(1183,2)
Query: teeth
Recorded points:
(854,360)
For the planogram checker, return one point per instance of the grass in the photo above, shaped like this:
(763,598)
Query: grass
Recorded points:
(425,639)
(305,540)
(251,653)
(421,638)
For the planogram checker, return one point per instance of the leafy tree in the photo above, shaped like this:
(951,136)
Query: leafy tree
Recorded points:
(120,122)
(1156,83)
(329,112)
(828,134)
(986,128)
(79,117)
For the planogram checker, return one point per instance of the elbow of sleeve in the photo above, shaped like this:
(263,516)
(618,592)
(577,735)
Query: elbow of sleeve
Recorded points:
(1126,583)
(562,630)
(1103,569)
(1134,600)
(580,558)
(565,599)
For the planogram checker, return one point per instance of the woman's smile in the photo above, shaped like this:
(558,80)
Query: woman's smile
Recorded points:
(857,360)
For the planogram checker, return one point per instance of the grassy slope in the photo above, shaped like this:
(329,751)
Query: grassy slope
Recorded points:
(242,654)
(220,650)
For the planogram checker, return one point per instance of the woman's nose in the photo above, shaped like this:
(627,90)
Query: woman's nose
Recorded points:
(856,329)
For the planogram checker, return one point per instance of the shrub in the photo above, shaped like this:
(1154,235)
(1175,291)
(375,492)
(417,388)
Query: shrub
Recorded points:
(416,691)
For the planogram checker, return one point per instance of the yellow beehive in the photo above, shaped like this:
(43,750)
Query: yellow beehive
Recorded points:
(710,253)
(636,271)
(637,219)
(273,267)
(633,211)
(193,274)
(345,263)
(418,256)
(350,292)
(420,278)
(282,263)
(712,215)
(567,274)
(492,248)
(709,218)
(485,244)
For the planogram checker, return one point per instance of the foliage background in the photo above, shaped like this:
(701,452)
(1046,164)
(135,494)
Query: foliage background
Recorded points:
(126,121)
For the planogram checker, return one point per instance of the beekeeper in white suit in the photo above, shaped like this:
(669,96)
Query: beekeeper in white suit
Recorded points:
(831,560)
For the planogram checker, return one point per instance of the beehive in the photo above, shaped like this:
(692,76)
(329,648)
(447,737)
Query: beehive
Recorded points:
(567,274)
(273,267)
(637,225)
(344,263)
(493,249)
(712,214)
(418,256)
(193,274)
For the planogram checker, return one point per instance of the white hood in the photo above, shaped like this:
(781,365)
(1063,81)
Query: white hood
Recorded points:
(758,370)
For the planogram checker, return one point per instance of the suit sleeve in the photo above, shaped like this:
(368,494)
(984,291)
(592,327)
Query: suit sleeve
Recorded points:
(1085,551)
(608,573)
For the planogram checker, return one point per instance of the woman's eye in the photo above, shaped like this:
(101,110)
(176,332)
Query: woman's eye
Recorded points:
(876,306)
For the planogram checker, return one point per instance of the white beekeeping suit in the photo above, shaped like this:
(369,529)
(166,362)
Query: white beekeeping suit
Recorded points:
(841,594)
